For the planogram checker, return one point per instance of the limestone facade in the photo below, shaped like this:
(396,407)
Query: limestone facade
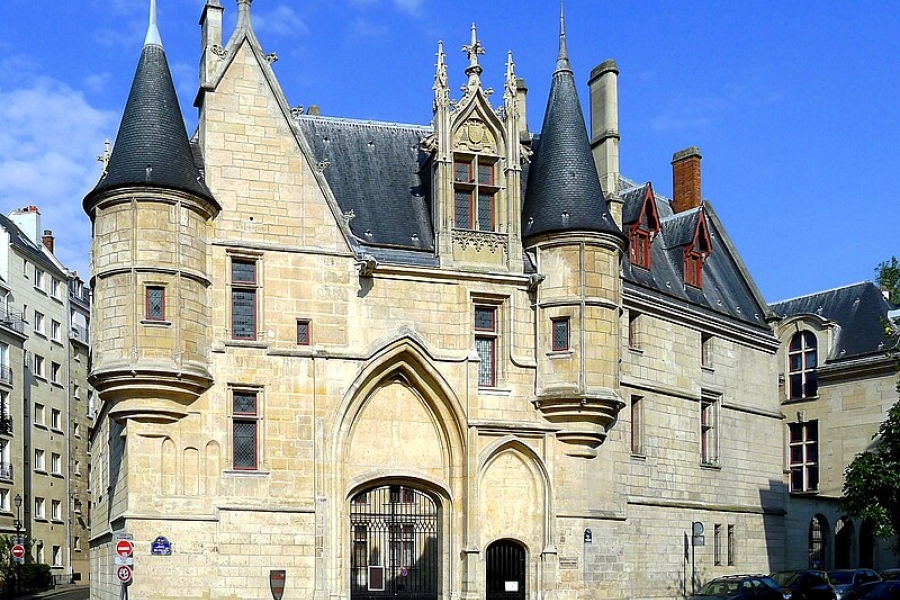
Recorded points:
(43,372)
(839,377)
(505,413)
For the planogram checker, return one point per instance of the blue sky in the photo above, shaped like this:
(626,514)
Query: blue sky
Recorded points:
(794,105)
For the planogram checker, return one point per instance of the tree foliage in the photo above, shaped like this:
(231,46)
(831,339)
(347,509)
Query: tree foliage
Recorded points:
(888,279)
(872,481)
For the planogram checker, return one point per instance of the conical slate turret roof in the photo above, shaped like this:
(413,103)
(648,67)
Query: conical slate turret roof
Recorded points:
(564,192)
(152,147)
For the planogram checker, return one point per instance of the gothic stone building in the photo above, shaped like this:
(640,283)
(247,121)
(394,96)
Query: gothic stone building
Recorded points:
(386,360)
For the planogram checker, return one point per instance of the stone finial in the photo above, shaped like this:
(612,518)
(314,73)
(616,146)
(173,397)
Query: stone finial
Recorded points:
(153,38)
(473,49)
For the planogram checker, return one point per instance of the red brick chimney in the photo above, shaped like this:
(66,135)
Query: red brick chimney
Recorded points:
(686,179)
(48,240)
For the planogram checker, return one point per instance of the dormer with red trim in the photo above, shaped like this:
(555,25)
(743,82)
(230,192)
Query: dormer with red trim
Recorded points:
(696,252)
(641,219)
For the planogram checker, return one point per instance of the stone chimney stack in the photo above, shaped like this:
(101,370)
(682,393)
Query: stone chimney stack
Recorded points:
(210,38)
(522,90)
(686,179)
(604,88)
(47,240)
(28,219)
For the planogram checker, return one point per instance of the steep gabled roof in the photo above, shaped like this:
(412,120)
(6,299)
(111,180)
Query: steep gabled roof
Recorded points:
(727,287)
(859,310)
(152,147)
(564,192)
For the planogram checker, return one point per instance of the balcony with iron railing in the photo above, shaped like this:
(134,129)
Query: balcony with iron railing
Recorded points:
(12,320)
(80,333)
(6,471)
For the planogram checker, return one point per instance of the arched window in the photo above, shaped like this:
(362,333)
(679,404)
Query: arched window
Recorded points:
(802,362)
(394,545)
(843,543)
(818,529)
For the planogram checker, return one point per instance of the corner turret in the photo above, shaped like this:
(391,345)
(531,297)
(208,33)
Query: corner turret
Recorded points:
(578,249)
(151,211)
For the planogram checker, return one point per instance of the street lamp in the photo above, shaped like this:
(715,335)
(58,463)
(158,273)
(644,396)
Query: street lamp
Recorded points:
(18,502)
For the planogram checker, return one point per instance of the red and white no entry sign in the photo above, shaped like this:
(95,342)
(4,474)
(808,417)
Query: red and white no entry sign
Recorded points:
(18,551)
(123,573)
(124,548)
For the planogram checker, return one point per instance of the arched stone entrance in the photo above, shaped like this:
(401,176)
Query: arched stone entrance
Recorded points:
(394,541)
(505,571)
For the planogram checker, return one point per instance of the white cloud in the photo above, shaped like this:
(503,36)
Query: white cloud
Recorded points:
(282,20)
(365,28)
(48,148)
(97,82)
(411,7)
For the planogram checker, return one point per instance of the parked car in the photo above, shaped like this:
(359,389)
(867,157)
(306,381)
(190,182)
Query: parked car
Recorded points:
(850,584)
(805,585)
(886,590)
(889,574)
(740,587)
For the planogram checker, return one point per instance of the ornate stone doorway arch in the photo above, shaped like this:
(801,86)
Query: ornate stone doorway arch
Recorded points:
(395,541)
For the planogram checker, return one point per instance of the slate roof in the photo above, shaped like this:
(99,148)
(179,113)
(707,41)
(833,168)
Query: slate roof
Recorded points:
(726,289)
(19,240)
(374,170)
(859,311)
(152,147)
(563,191)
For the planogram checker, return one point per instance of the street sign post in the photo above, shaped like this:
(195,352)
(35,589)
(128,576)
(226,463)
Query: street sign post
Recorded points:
(18,553)
(124,548)
(123,574)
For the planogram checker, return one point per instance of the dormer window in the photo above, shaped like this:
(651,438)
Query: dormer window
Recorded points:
(693,267)
(640,247)
(695,254)
(475,192)
(642,231)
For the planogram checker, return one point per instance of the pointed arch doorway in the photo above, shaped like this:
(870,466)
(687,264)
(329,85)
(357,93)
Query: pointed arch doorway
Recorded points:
(394,544)
(505,576)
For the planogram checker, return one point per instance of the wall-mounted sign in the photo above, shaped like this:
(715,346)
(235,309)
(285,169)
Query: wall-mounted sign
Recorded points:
(161,547)
(510,586)
(276,583)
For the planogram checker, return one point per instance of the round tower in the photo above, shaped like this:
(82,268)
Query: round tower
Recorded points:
(578,249)
(151,213)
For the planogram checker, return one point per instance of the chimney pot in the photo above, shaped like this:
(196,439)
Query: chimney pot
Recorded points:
(686,192)
(47,240)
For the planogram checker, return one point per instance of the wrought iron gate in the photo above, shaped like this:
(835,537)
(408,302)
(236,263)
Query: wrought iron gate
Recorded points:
(394,545)
(505,577)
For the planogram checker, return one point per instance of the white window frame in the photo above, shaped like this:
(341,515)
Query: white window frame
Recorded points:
(56,510)
(39,460)
(39,508)
(709,431)
(803,456)
(55,463)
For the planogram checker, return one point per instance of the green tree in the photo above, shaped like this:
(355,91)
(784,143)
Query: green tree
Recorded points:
(888,279)
(872,481)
